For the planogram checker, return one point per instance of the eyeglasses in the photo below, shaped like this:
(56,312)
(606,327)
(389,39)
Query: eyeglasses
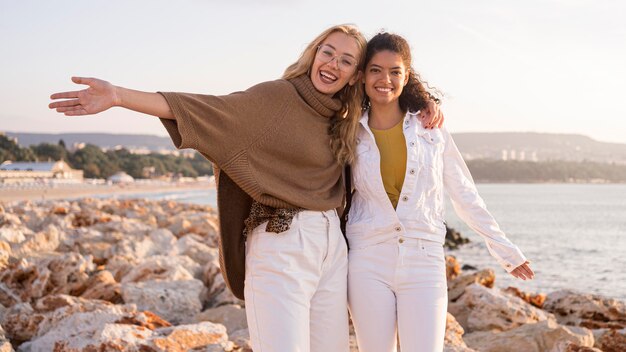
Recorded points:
(327,54)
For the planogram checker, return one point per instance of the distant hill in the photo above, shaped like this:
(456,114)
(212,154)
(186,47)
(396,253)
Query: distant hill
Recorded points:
(528,146)
(524,146)
(103,140)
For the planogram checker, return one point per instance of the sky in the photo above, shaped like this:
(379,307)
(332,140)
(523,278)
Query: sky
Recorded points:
(553,66)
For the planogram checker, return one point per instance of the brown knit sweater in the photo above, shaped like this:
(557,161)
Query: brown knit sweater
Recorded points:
(272,145)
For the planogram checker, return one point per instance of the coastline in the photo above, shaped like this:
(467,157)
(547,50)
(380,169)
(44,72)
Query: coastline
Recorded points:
(74,191)
(89,273)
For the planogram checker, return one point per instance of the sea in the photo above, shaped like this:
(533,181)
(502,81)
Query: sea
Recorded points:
(574,235)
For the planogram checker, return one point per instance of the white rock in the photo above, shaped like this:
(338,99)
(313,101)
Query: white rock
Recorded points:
(44,241)
(170,268)
(481,308)
(175,301)
(193,246)
(193,336)
(232,316)
(572,308)
(241,338)
(539,337)
(12,234)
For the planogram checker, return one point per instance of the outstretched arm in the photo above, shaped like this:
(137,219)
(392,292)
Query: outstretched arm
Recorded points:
(102,95)
(472,210)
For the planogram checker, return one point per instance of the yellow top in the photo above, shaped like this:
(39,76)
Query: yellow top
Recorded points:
(392,147)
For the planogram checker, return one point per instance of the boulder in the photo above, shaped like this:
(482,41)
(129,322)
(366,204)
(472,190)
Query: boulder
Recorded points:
(457,286)
(591,311)
(232,316)
(183,338)
(35,277)
(193,246)
(539,337)
(612,341)
(566,346)
(175,301)
(454,239)
(24,321)
(536,300)
(102,286)
(454,335)
(453,269)
(5,345)
(5,255)
(159,242)
(218,293)
(13,234)
(481,308)
(171,268)
(241,338)
(202,223)
(98,331)
(44,241)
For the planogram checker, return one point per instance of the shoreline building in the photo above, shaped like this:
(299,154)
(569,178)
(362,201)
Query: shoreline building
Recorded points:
(12,172)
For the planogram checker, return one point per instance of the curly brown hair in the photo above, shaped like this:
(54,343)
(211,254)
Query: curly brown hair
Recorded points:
(415,95)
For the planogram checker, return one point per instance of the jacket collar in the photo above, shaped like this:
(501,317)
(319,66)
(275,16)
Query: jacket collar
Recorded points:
(413,120)
(411,117)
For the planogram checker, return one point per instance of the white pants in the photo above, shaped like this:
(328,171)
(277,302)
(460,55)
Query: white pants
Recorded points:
(295,288)
(398,288)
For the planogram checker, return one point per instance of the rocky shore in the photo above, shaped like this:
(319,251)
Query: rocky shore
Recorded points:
(137,275)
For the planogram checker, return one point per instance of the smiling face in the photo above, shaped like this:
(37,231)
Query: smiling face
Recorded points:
(385,77)
(329,77)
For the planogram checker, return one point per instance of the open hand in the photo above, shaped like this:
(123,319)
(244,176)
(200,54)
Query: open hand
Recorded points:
(431,116)
(100,96)
(523,272)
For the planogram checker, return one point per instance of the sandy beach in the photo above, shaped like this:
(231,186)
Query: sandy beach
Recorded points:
(72,191)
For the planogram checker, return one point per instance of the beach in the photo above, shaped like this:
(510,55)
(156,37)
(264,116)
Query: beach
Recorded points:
(39,192)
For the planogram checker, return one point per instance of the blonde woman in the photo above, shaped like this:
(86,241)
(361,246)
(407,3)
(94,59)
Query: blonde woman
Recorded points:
(279,183)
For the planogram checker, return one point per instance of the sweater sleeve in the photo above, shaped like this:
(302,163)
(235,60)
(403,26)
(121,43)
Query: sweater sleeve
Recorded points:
(471,208)
(220,127)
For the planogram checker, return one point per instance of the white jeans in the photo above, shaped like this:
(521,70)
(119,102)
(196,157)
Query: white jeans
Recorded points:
(398,287)
(295,288)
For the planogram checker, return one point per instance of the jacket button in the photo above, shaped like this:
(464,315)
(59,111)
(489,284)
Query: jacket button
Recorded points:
(406,122)
(412,144)
(405,198)
(401,240)
(412,171)
(398,228)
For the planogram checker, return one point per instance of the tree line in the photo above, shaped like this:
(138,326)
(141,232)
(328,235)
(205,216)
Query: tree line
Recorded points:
(99,164)
(96,163)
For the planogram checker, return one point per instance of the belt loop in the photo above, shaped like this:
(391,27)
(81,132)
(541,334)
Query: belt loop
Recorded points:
(402,252)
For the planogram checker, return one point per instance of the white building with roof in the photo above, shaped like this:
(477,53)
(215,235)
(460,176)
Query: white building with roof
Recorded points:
(28,171)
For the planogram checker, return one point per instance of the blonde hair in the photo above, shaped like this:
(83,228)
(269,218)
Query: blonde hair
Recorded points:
(345,123)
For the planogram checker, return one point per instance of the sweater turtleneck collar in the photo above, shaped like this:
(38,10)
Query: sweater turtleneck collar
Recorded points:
(324,104)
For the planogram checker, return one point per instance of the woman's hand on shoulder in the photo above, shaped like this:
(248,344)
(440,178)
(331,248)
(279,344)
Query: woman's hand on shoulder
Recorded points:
(431,116)
(523,272)
(99,96)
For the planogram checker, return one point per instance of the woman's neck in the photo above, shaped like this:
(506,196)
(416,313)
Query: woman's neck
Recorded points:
(384,117)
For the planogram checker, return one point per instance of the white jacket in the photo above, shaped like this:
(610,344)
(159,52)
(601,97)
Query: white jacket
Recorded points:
(433,164)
